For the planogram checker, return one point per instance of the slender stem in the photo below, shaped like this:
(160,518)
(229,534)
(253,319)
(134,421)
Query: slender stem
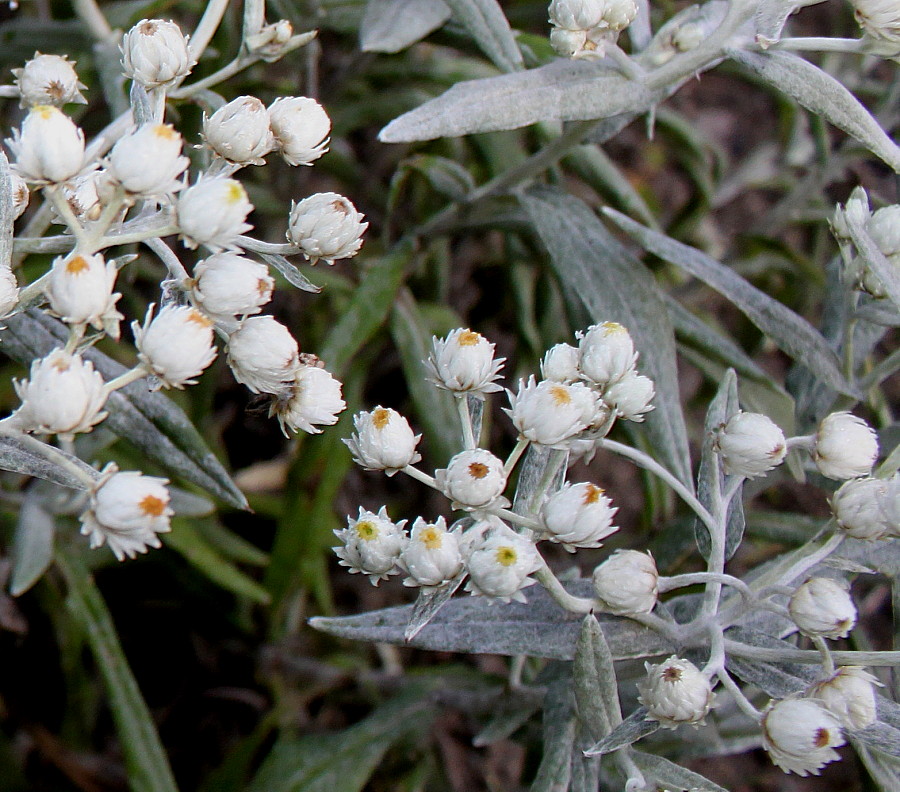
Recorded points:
(59,202)
(519,519)
(559,595)
(97,230)
(254,16)
(33,290)
(804,442)
(206,27)
(810,656)
(516,666)
(515,455)
(738,695)
(167,256)
(716,560)
(692,578)
(76,333)
(126,378)
(827,660)
(420,476)
(881,371)
(465,420)
(817,44)
(671,632)
(716,660)
(128,238)
(631,68)
(635,778)
(92,17)
(226,72)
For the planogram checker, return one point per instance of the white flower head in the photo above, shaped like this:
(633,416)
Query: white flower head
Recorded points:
(312,400)
(127,510)
(383,440)
(326,226)
(473,479)
(371,544)
(48,147)
(176,345)
(627,582)
(619,14)
(9,291)
(148,161)
(263,355)
(800,735)
(227,285)
(80,291)
(884,226)
(861,508)
(212,212)
(63,395)
(631,396)
(849,695)
(576,14)
(48,80)
(750,444)
(675,692)
(880,21)
(560,364)
(607,353)
(155,53)
(20,194)
(846,447)
(301,127)
(499,561)
(464,362)
(579,515)
(431,557)
(823,607)
(550,413)
(239,131)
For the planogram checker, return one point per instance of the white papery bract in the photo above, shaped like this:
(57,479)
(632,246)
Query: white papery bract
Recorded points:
(9,291)
(800,735)
(884,228)
(860,508)
(371,544)
(20,194)
(176,345)
(849,695)
(127,510)
(607,353)
(82,195)
(212,213)
(499,561)
(48,80)
(263,355)
(464,362)
(560,364)
(313,399)
(576,14)
(676,692)
(326,226)
(148,161)
(63,395)
(579,515)
(431,557)
(301,127)
(383,440)
(619,14)
(845,447)
(239,131)
(631,396)
(155,53)
(568,43)
(80,291)
(48,147)
(227,285)
(880,20)
(751,445)
(473,479)
(823,607)
(627,582)
(549,412)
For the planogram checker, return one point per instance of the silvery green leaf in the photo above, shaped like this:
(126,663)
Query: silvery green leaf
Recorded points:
(511,712)
(32,551)
(705,16)
(613,285)
(887,273)
(541,472)
(821,94)
(6,212)
(188,504)
(446,176)
(291,272)
(32,457)
(393,25)
(560,727)
(596,688)
(635,727)
(672,776)
(564,90)
(879,312)
(537,628)
(792,333)
(428,603)
(487,25)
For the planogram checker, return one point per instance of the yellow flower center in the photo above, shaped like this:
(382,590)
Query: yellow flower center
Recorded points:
(77,265)
(152,506)
(613,327)
(235,193)
(165,131)
(199,319)
(45,111)
(432,537)
(381,418)
(468,338)
(560,395)
(506,555)
(366,530)
(592,494)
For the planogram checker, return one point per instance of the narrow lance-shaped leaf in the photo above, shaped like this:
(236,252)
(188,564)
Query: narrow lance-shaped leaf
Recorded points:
(393,25)
(629,731)
(673,776)
(590,702)
(486,23)
(6,212)
(428,603)
(560,727)
(32,457)
(32,545)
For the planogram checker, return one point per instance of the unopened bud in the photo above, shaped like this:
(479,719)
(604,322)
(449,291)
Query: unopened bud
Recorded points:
(383,440)
(627,582)
(148,161)
(48,147)
(823,607)
(313,399)
(213,212)
(751,445)
(800,735)
(326,226)
(239,131)
(431,557)
(48,80)
(846,447)
(579,515)
(263,355)
(155,52)
(176,345)
(607,353)
(861,508)
(227,285)
(301,127)
(849,695)
(676,692)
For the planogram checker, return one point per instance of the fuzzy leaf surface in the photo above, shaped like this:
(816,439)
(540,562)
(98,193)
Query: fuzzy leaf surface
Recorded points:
(630,730)
(486,23)
(393,25)
(32,551)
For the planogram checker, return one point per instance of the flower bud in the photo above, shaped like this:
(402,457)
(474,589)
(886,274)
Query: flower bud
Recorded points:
(859,508)
(579,515)
(631,396)
(619,14)
(313,399)
(63,395)
(800,736)
(473,479)
(607,353)
(20,194)
(383,440)
(371,544)
(846,447)
(627,582)
(148,161)
(560,364)
(550,413)
(212,213)
(880,21)
(464,362)
(82,196)
(849,695)
(48,80)
(227,285)
(239,131)
(822,606)
(576,14)
(300,126)
(176,345)
(80,291)
(48,147)
(326,226)
(431,557)
(568,43)
(751,445)
(676,692)
(155,52)
(9,291)
(263,355)
(127,511)
(499,561)
(884,228)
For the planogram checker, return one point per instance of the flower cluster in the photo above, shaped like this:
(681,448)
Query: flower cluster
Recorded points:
(585,28)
